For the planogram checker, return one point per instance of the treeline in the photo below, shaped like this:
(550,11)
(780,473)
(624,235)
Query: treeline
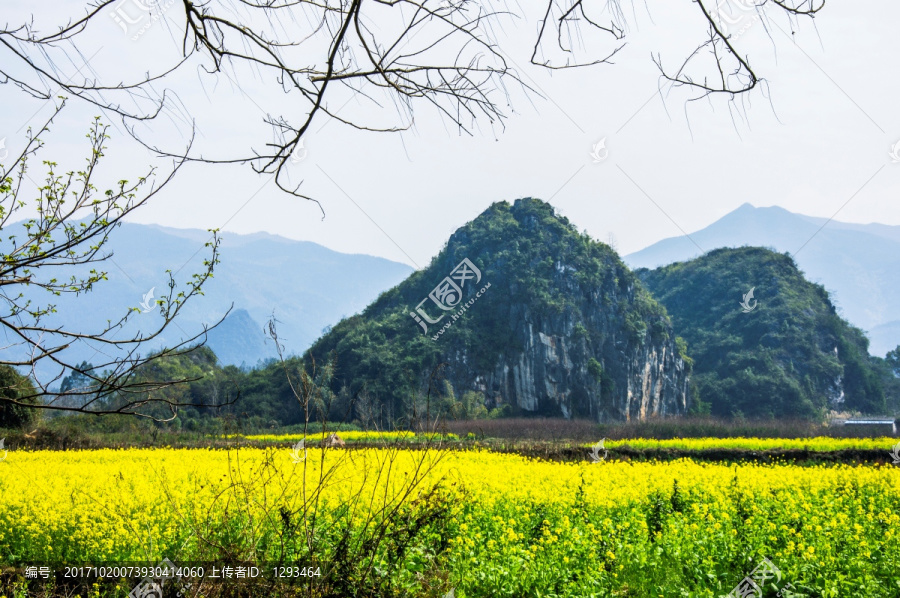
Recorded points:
(272,394)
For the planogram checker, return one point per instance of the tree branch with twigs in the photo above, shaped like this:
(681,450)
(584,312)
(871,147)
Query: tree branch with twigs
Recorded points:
(67,229)
(405,54)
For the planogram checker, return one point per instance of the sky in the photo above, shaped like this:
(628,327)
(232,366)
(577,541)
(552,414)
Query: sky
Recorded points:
(815,138)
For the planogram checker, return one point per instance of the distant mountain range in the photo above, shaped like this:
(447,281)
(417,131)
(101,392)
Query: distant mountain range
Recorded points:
(521,314)
(305,286)
(308,288)
(857,263)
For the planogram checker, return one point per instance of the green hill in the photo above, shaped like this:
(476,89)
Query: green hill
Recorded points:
(523,311)
(791,355)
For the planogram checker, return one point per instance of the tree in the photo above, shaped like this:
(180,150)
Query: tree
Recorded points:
(78,378)
(893,361)
(442,53)
(888,369)
(49,252)
(16,397)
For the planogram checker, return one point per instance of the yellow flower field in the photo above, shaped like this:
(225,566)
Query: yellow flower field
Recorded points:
(497,524)
(349,435)
(819,443)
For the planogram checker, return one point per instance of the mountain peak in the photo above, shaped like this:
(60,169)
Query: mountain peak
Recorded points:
(524,311)
(855,262)
(782,351)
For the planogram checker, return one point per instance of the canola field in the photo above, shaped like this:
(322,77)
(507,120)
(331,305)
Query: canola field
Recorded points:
(818,443)
(464,523)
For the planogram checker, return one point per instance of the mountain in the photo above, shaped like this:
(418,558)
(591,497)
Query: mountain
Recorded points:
(765,341)
(857,263)
(525,312)
(240,340)
(305,286)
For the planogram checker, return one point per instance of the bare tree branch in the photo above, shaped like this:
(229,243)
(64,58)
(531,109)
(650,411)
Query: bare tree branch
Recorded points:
(404,53)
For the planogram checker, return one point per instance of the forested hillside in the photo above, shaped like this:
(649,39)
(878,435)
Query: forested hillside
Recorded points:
(784,352)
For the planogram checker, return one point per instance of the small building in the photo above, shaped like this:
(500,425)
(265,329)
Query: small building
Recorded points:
(874,426)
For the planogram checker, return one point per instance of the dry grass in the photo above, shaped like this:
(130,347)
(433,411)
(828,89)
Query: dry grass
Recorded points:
(522,428)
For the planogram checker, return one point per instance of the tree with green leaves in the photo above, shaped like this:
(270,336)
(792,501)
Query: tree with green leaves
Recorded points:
(893,361)
(60,248)
(16,399)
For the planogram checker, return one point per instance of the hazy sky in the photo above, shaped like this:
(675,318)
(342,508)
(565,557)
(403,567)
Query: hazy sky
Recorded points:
(814,139)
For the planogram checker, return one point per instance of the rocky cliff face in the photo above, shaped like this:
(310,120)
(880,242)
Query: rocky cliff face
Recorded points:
(550,374)
(523,309)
